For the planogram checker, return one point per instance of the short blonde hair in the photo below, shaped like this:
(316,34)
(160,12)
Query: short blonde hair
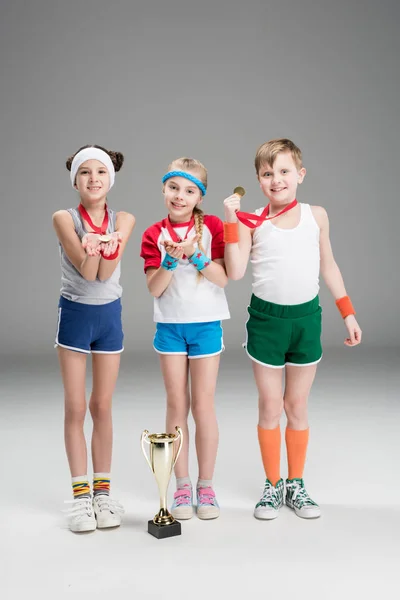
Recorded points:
(267,153)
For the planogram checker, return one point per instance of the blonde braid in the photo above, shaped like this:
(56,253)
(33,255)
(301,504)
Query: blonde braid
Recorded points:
(199,224)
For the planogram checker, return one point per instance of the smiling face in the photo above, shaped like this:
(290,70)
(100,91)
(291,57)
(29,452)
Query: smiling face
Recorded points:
(279,182)
(181,196)
(92,181)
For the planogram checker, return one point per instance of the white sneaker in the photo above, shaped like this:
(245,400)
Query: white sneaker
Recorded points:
(108,511)
(80,515)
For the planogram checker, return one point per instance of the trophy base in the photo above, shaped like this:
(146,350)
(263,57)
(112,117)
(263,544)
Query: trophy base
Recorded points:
(164,531)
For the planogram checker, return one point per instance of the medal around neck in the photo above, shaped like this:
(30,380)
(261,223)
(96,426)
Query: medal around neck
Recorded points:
(162,459)
(105,238)
(240,191)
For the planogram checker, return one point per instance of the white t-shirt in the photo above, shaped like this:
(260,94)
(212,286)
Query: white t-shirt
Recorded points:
(187,299)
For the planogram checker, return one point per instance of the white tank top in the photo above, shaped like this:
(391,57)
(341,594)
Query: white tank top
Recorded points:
(286,262)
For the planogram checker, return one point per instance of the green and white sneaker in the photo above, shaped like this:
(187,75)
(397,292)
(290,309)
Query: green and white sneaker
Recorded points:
(270,502)
(298,499)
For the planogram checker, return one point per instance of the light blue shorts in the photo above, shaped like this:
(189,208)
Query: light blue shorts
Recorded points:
(194,340)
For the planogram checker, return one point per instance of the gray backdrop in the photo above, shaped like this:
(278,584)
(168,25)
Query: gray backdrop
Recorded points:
(211,79)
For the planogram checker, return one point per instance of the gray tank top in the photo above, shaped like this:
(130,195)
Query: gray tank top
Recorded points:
(76,288)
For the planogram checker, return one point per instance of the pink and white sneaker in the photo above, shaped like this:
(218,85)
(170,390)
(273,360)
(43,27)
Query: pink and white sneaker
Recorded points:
(207,505)
(182,506)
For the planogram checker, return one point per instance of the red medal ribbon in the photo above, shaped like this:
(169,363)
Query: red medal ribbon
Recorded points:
(174,237)
(246,218)
(85,215)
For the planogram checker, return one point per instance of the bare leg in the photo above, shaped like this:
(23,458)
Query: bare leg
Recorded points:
(105,373)
(203,373)
(73,371)
(175,373)
(270,397)
(297,389)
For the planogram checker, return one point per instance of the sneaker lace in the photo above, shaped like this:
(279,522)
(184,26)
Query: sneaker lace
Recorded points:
(106,503)
(300,495)
(269,497)
(81,507)
(183,496)
(206,496)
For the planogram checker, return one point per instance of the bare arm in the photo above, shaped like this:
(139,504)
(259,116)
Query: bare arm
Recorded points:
(237,254)
(125,223)
(332,275)
(86,265)
(158,280)
(329,269)
(216,273)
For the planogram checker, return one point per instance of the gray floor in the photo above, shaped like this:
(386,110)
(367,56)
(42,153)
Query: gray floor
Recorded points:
(353,551)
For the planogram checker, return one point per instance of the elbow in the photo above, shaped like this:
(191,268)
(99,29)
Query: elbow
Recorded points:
(154,293)
(89,277)
(236,275)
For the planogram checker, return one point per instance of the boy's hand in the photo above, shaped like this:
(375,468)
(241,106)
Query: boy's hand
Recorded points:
(354,330)
(91,244)
(231,207)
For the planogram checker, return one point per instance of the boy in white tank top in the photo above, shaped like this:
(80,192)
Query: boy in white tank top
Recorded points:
(284,325)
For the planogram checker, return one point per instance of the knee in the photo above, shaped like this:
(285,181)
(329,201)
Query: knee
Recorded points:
(100,409)
(270,411)
(179,404)
(75,413)
(202,410)
(295,408)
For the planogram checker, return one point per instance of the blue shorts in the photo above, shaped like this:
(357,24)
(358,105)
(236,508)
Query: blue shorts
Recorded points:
(90,328)
(195,340)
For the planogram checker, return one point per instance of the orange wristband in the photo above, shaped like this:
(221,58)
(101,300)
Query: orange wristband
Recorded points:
(345,306)
(231,233)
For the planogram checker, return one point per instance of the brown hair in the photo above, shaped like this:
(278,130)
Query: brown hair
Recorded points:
(191,164)
(267,153)
(117,158)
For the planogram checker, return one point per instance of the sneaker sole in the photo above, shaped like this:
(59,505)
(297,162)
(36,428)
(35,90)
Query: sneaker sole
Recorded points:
(107,524)
(84,527)
(267,516)
(182,516)
(304,515)
(210,514)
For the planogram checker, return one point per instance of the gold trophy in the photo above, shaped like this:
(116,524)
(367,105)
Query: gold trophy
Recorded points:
(163,456)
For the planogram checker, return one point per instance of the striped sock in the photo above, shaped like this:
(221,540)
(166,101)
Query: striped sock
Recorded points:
(80,487)
(101,484)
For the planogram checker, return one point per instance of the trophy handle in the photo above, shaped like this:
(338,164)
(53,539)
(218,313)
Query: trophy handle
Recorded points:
(144,439)
(180,434)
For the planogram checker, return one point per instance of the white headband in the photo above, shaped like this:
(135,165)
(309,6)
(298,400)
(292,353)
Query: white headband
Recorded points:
(90,154)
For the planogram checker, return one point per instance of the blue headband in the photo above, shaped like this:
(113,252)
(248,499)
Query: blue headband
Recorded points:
(199,184)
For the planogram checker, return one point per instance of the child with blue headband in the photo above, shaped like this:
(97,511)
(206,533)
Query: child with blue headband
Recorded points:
(184,265)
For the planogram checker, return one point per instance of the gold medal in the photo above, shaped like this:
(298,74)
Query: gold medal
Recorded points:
(239,191)
(105,238)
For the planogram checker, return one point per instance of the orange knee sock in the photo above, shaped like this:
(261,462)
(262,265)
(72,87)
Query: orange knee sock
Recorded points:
(296,446)
(270,446)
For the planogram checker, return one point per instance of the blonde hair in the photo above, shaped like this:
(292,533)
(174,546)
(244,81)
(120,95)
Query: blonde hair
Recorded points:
(190,165)
(267,153)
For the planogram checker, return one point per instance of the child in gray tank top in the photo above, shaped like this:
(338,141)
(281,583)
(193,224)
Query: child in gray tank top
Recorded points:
(92,239)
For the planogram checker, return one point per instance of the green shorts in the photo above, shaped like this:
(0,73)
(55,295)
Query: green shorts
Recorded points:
(279,335)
